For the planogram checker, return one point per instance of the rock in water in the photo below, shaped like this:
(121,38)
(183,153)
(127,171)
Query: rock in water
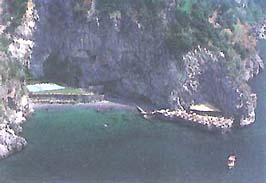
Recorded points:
(10,143)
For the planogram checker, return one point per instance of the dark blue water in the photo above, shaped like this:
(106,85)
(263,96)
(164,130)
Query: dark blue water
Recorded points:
(73,145)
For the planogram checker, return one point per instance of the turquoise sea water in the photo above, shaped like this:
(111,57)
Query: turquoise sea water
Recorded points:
(75,144)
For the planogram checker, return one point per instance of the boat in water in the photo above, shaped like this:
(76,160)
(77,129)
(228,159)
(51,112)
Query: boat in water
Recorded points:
(231,161)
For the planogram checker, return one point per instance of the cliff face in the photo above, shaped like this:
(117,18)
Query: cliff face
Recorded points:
(14,104)
(128,47)
(109,49)
(14,107)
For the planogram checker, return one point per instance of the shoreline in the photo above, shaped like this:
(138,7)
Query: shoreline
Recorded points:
(209,122)
(108,103)
(100,106)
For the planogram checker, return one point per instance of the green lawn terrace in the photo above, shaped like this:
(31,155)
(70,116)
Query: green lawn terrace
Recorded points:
(52,93)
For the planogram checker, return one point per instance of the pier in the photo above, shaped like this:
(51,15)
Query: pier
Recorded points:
(192,118)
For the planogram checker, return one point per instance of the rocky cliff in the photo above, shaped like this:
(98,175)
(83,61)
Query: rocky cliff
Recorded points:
(14,104)
(169,53)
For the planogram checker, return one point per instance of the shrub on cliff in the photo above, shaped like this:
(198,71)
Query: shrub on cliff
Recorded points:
(147,11)
(3,44)
(81,7)
(11,70)
(17,9)
(110,6)
(188,32)
(218,26)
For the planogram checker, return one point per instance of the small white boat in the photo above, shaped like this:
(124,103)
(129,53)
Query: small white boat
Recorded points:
(231,161)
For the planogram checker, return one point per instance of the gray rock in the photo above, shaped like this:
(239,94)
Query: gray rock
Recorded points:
(3,151)
(10,143)
(129,57)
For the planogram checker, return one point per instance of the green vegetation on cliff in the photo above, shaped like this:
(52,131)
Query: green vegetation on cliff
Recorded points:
(109,6)
(223,26)
(12,73)
(16,12)
(12,76)
(10,68)
(3,44)
(147,12)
